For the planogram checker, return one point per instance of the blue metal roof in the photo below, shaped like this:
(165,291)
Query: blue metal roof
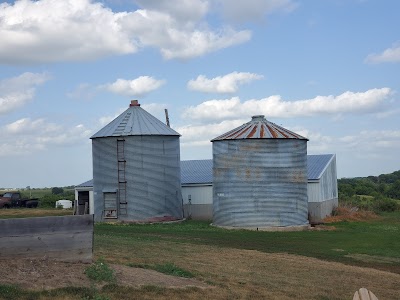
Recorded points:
(316,165)
(201,171)
(197,171)
(88,183)
(135,121)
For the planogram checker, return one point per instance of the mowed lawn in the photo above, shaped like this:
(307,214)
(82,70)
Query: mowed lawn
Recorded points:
(241,264)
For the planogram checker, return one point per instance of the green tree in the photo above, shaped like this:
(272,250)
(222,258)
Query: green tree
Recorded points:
(57,190)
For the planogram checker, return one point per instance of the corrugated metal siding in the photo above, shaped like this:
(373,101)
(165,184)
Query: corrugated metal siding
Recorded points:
(326,187)
(314,191)
(152,175)
(260,182)
(328,182)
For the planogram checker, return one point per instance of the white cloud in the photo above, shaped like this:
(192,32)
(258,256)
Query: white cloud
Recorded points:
(26,136)
(178,40)
(47,31)
(274,106)
(78,30)
(202,134)
(136,87)
(222,84)
(251,10)
(388,55)
(183,10)
(15,92)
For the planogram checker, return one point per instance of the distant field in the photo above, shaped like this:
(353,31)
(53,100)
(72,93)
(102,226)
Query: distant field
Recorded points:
(32,212)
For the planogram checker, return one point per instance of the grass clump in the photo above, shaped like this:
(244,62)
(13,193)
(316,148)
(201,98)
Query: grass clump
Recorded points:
(100,271)
(172,269)
(167,268)
(10,292)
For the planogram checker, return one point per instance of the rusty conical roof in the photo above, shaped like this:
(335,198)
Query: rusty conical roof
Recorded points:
(259,128)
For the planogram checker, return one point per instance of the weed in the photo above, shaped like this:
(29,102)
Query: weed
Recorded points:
(167,268)
(172,269)
(100,271)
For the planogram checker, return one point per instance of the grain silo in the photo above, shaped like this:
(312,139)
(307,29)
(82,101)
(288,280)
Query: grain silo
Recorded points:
(136,169)
(260,176)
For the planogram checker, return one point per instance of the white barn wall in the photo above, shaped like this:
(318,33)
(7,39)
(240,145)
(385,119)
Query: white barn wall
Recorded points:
(200,206)
(91,198)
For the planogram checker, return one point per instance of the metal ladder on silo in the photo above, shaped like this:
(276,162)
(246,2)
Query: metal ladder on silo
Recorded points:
(123,204)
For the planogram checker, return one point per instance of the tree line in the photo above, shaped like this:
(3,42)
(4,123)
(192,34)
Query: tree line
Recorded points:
(378,193)
(386,185)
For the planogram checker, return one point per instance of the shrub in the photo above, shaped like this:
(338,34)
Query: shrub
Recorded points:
(385,204)
(49,200)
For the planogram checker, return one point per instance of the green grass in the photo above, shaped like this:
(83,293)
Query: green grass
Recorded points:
(374,238)
(100,271)
(167,268)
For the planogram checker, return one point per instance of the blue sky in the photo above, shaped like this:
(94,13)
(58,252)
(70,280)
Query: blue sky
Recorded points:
(328,70)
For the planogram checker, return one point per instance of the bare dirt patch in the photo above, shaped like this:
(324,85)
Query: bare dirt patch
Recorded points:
(47,274)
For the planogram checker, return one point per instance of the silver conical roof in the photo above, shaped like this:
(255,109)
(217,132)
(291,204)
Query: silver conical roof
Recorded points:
(259,128)
(135,121)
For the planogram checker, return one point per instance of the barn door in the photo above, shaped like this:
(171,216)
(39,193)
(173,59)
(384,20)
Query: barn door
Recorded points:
(110,205)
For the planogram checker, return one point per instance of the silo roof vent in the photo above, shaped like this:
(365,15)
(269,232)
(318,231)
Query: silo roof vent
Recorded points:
(134,103)
(259,128)
(258,118)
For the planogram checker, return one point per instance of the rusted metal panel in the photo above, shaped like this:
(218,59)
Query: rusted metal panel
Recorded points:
(260,182)
(259,128)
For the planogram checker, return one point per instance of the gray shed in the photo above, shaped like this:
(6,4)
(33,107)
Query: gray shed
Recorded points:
(136,169)
(322,186)
(260,176)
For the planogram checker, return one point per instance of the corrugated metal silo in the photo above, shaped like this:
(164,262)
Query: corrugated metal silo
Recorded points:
(136,169)
(260,176)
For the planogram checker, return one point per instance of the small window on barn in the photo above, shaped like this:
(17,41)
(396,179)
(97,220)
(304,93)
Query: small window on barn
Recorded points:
(110,205)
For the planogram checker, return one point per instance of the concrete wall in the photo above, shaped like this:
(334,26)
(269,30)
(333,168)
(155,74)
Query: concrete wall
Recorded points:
(317,211)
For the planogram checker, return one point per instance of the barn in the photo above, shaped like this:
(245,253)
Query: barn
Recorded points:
(136,169)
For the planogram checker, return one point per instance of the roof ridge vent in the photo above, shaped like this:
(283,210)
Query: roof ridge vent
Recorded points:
(258,118)
(134,103)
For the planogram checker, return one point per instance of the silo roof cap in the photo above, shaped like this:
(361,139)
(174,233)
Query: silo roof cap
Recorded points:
(135,121)
(259,128)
